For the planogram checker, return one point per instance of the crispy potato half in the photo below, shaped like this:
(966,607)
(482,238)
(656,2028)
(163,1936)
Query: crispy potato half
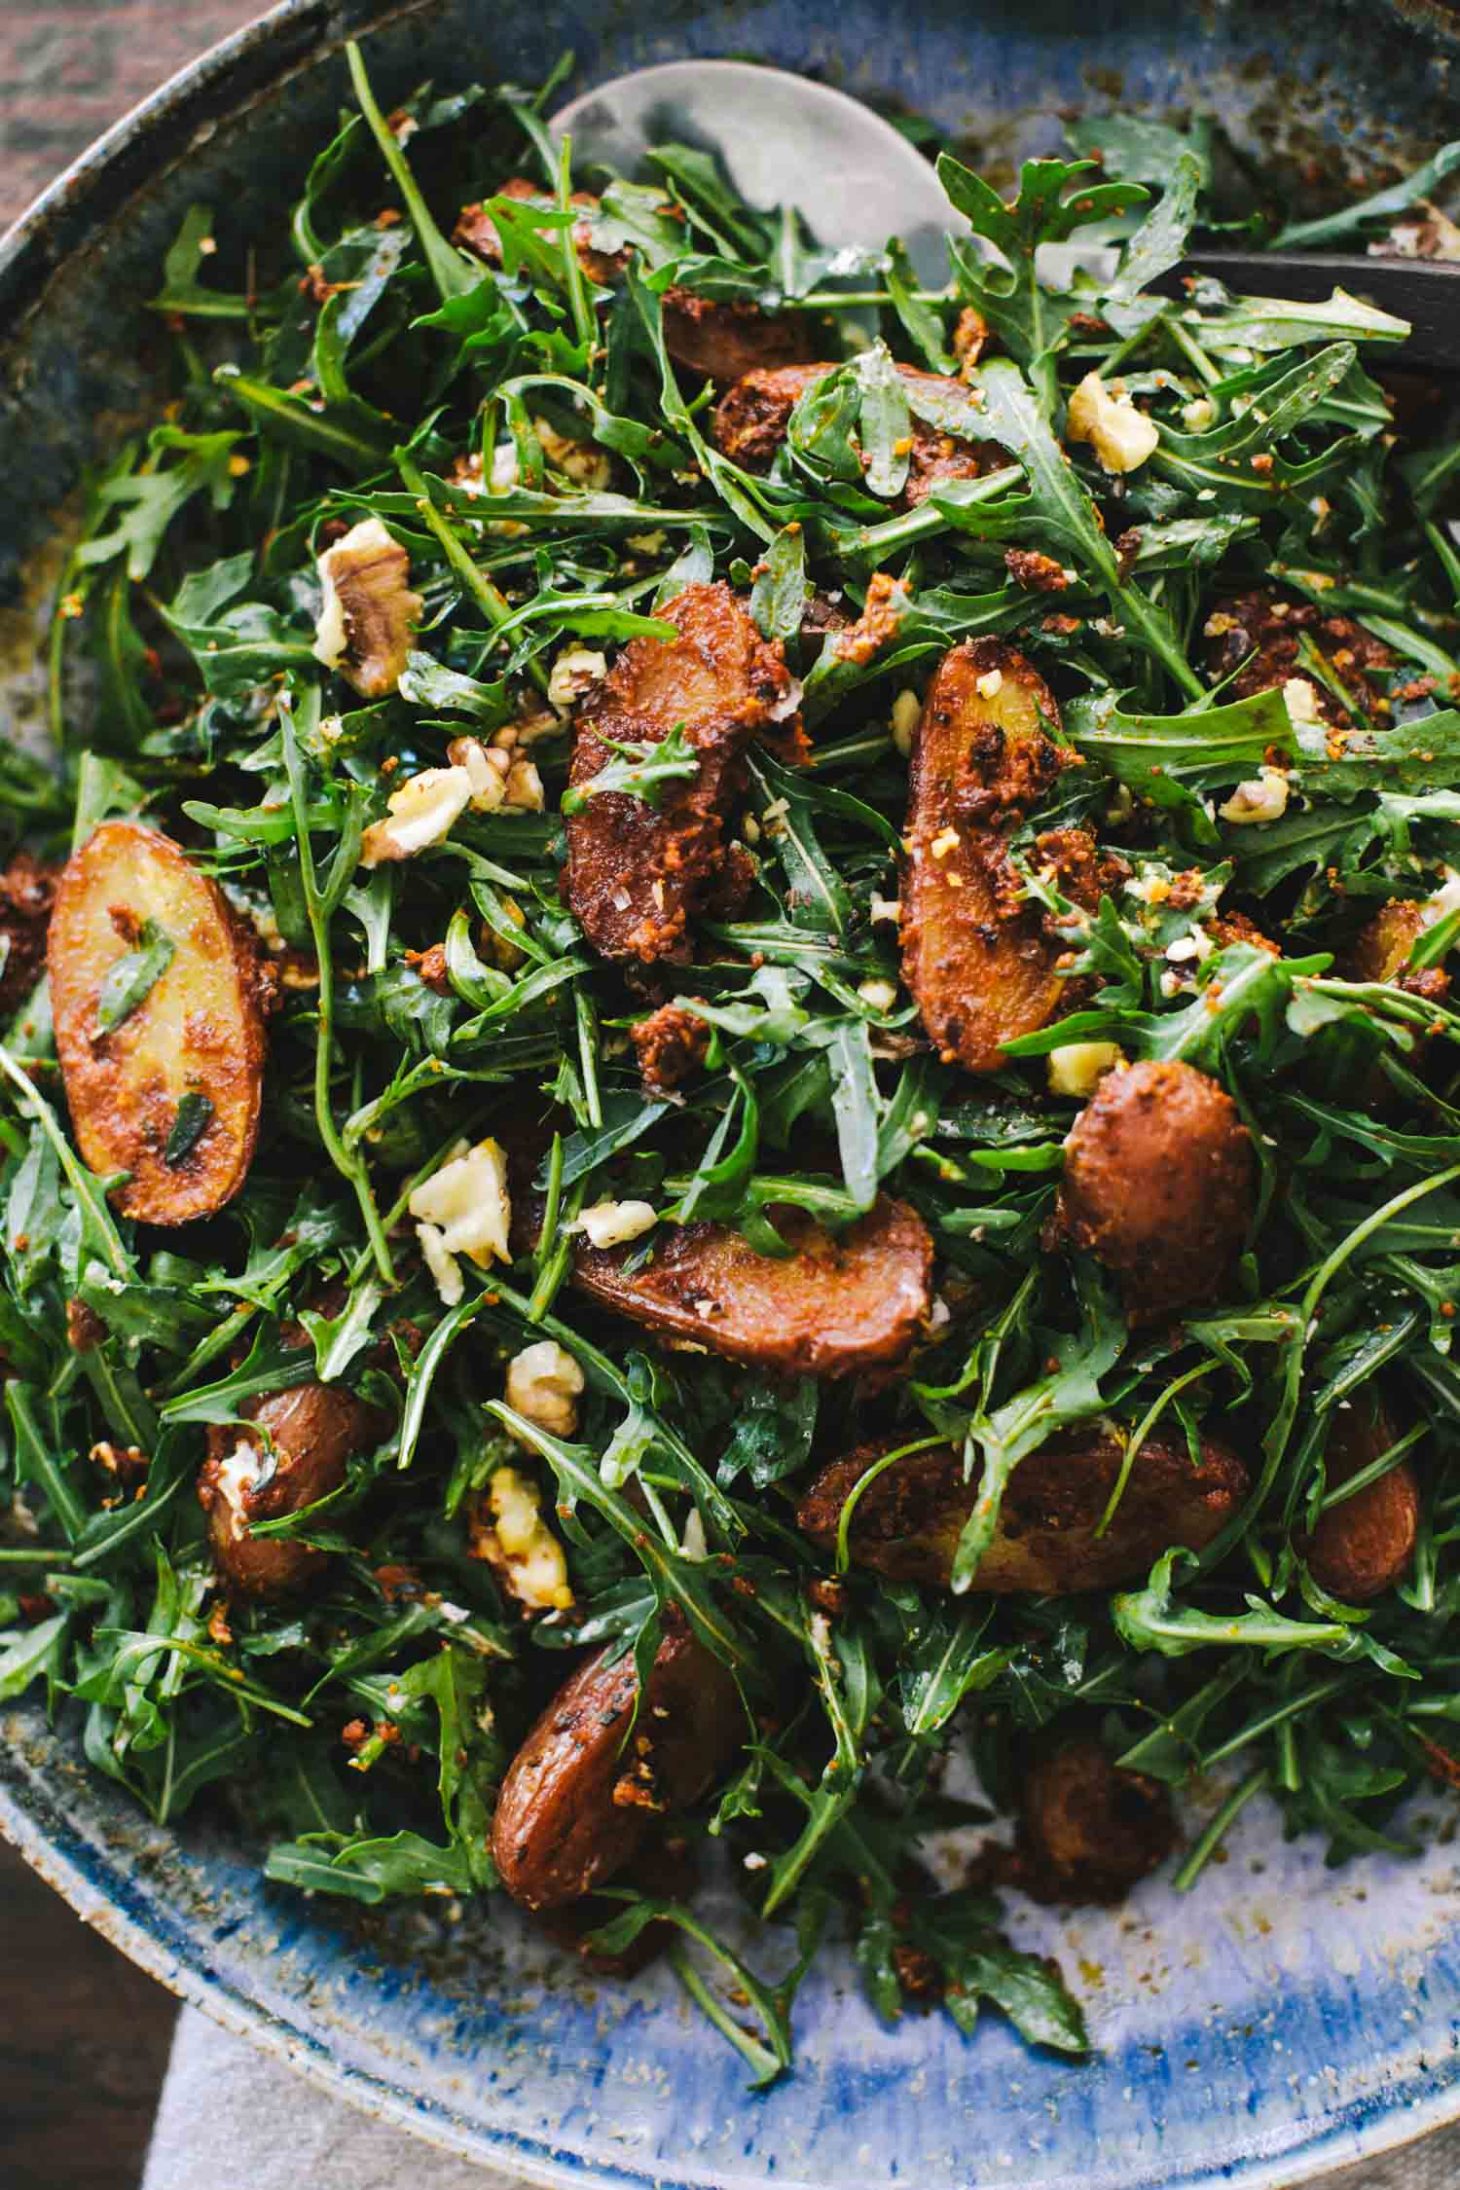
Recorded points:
(293,1450)
(1088,1832)
(907,1522)
(1382,947)
(1159,1184)
(158,1025)
(976,959)
(586,1787)
(637,874)
(723,338)
(1365,1545)
(838,1303)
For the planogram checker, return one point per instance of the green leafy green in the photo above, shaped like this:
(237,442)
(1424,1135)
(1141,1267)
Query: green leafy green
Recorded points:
(1229,856)
(639,769)
(131,980)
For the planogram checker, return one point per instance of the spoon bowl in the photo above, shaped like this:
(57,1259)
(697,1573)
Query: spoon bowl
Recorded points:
(783,140)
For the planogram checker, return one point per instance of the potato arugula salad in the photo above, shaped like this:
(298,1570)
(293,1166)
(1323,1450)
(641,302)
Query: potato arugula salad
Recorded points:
(731,1104)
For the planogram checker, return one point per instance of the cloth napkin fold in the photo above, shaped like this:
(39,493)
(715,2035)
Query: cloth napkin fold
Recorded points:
(233,2119)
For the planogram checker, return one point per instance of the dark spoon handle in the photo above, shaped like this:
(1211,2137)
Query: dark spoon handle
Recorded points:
(1426,292)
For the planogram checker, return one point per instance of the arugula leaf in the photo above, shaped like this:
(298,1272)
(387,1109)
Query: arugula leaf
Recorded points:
(1135,149)
(1068,1392)
(1243,324)
(816,897)
(639,769)
(1011,415)
(1169,760)
(1056,198)
(1371,212)
(366,1868)
(979,1964)
(781,590)
(772,1433)
(1157,245)
(884,424)
(769,2057)
(429,683)
(920,322)
(821,431)
(130,980)
(450,271)
(150,496)
(1152,1619)
(948,1661)
(856,1107)
(190,1122)
(182,291)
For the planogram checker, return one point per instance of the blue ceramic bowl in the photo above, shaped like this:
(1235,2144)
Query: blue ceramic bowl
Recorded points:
(1283,2019)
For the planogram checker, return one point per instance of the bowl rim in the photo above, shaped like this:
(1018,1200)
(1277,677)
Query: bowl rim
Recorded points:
(70,211)
(34,1822)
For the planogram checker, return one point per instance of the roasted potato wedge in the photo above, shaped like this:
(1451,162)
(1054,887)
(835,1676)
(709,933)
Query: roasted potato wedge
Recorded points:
(1364,1546)
(1088,1832)
(976,959)
(637,873)
(725,338)
(27,891)
(158,1026)
(580,1798)
(751,420)
(908,1521)
(292,1450)
(1159,1184)
(841,1302)
(1382,946)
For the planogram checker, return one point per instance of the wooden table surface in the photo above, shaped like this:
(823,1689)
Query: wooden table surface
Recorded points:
(83,2035)
(83,2044)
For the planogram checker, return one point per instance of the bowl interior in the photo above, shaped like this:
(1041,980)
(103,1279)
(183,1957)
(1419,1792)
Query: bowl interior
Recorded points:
(1283,2018)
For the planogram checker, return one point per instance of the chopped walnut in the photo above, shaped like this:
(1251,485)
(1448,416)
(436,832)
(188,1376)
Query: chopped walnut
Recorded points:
(878,624)
(368,613)
(430,966)
(1035,572)
(1122,437)
(969,335)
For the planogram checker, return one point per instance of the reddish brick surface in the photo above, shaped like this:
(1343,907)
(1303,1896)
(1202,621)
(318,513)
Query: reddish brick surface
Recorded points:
(68,68)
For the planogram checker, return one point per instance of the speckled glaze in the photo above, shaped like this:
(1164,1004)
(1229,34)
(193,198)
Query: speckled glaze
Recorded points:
(1282,2020)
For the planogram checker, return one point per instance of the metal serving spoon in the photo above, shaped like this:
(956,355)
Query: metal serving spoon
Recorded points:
(856,180)
(782,140)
